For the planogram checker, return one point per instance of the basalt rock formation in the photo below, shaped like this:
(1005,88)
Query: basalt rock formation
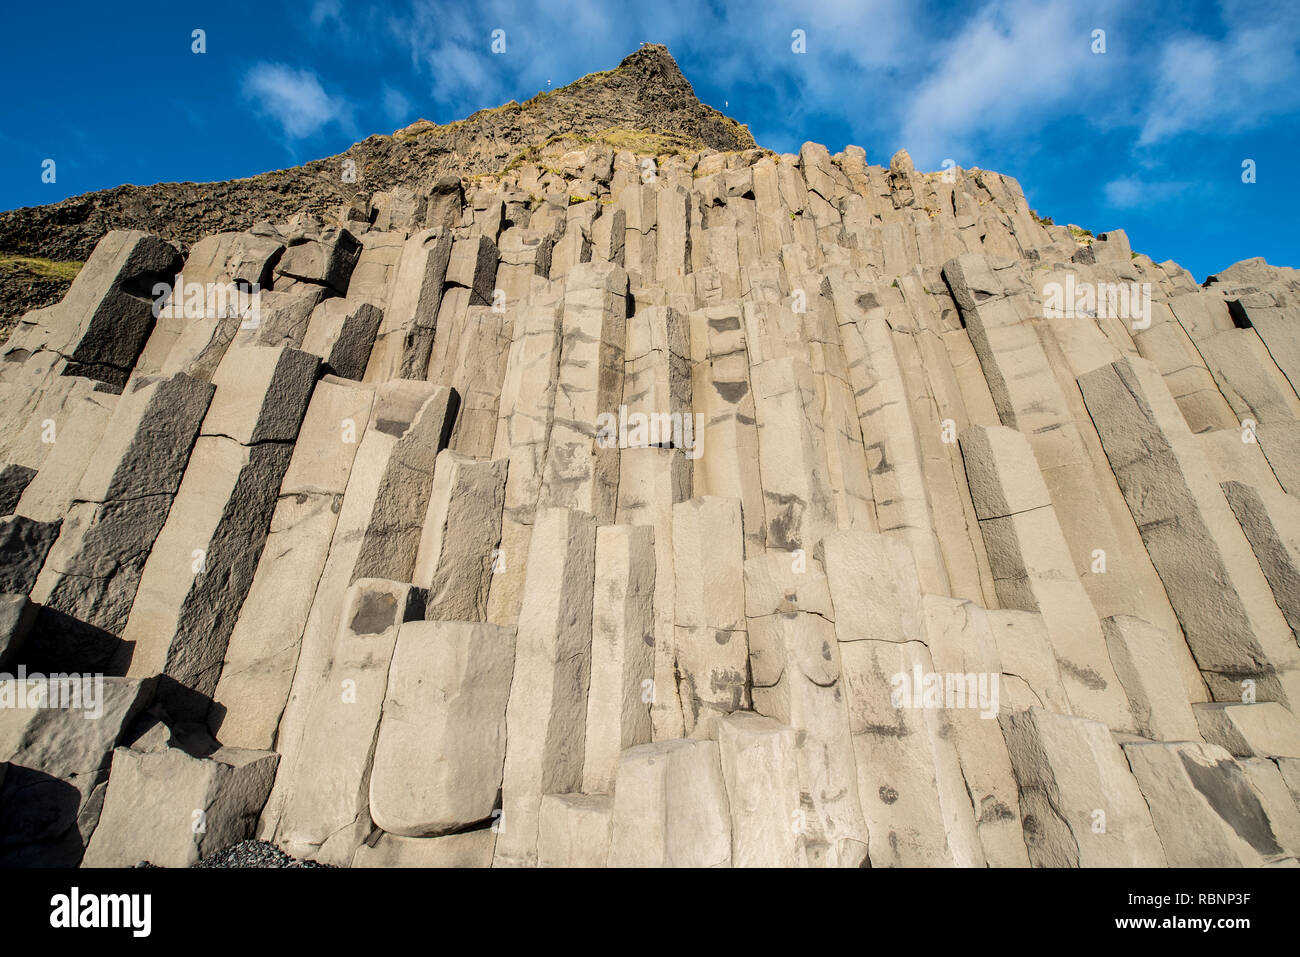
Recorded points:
(591,487)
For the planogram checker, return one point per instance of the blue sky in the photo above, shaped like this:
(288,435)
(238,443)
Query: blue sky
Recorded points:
(1149,136)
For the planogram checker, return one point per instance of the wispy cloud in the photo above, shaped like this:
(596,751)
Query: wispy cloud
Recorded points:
(294,99)
(326,11)
(1012,66)
(396,106)
(1237,82)
(1131,192)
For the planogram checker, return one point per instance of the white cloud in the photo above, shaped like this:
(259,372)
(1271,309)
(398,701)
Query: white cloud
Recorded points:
(1012,67)
(453,45)
(294,98)
(396,105)
(1131,192)
(326,11)
(1235,83)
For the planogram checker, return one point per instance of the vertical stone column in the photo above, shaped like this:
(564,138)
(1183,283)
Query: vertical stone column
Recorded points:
(711,638)
(93,570)
(1032,569)
(547,713)
(327,815)
(580,473)
(378,530)
(1232,623)
(795,666)
(622,651)
(405,336)
(262,654)
(523,434)
(462,528)
(202,564)
(914,796)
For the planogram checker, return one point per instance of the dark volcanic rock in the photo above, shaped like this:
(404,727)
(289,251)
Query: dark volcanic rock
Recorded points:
(646,92)
(253,854)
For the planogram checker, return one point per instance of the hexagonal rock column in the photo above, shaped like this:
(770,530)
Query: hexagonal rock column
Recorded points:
(1224,603)
(964,651)
(391,543)
(372,279)
(442,738)
(547,714)
(1081,806)
(58,757)
(326,815)
(893,450)
(262,653)
(670,807)
(24,545)
(1030,675)
(476,370)
(103,322)
(797,497)
(998,306)
(342,332)
(579,472)
(462,528)
(910,783)
(1265,730)
(219,267)
(651,482)
(524,417)
(1204,807)
(406,334)
(1141,653)
(762,778)
(202,564)
(14,479)
(794,663)
(574,830)
(377,533)
(710,630)
(92,572)
(172,810)
(1271,521)
(321,257)
(721,391)
(622,650)
(51,492)
(1033,571)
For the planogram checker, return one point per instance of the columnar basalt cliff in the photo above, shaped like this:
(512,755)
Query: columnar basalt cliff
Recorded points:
(584,485)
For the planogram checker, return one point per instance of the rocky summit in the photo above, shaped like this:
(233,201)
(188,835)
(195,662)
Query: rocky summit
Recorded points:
(580,484)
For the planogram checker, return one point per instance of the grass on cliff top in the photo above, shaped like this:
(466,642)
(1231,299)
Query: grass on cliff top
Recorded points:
(44,268)
(581,81)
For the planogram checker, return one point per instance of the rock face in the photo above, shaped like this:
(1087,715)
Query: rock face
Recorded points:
(447,690)
(208,804)
(644,498)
